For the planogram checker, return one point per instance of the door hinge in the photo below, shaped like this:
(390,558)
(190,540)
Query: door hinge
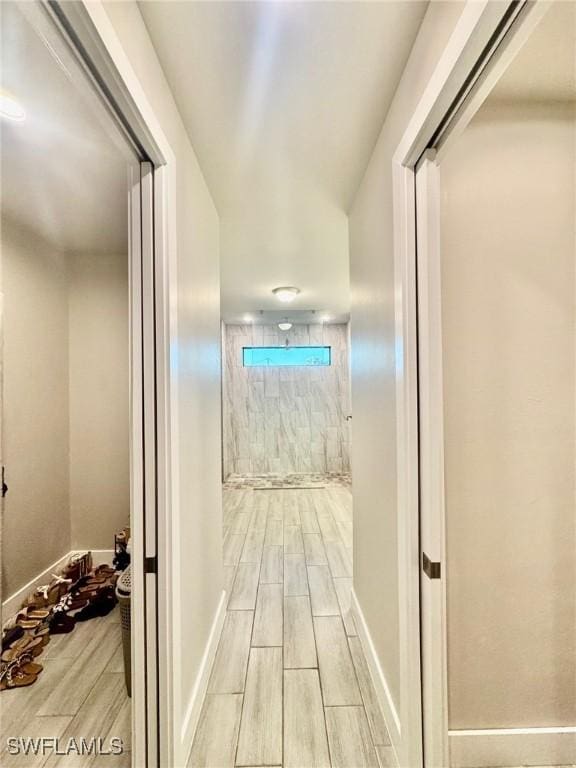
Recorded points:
(151,564)
(4,486)
(431,568)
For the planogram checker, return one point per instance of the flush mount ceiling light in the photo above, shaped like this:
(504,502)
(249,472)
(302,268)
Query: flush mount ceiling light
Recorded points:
(286,294)
(11,109)
(285,326)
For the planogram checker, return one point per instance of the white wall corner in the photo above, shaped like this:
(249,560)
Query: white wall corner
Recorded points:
(385,700)
(194,707)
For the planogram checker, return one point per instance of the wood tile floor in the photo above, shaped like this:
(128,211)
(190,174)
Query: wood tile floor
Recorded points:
(290,686)
(80,693)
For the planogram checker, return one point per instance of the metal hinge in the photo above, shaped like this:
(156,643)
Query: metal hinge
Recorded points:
(431,568)
(4,486)
(151,564)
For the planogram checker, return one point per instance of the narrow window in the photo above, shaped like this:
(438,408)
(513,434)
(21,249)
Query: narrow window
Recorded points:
(270,356)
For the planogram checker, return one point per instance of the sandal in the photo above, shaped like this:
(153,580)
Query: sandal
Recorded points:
(69,603)
(104,570)
(28,665)
(32,646)
(79,565)
(13,676)
(48,594)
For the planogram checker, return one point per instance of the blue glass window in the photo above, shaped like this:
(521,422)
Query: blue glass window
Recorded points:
(258,356)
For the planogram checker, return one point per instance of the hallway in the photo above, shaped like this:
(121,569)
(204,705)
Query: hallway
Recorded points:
(290,685)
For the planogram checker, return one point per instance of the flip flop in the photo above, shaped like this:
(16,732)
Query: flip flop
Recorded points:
(12,676)
(28,645)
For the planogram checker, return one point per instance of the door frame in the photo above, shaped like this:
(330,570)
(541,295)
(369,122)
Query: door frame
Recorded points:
(91,34)
(485,40)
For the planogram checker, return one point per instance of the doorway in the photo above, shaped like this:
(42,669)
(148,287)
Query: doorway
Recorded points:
(79,626)
(496,257)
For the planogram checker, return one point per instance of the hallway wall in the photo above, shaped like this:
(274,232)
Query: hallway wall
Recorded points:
(284,419)
(198,575)
(374,362)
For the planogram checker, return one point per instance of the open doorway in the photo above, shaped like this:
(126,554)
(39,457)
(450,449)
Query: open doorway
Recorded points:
(74,220)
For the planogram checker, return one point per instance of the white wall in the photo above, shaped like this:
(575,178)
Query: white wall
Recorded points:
(65,409)
(373,357)
(284,419)
(509,311)
(198,376)
(99,405)
(36,521)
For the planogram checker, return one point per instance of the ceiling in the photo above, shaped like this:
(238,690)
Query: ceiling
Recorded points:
(283,103)
(63,165)
(545,68)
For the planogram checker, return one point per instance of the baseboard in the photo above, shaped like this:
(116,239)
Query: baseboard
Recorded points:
(192,714)
(11,605)
(378,678)
(504,747)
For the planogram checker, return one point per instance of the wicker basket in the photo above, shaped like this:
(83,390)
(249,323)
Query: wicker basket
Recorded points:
(124,593)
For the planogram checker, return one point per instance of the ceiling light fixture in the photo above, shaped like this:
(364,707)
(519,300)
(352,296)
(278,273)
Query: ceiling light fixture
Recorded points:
(285,326)
(286,294)
(11,109)
(325,318)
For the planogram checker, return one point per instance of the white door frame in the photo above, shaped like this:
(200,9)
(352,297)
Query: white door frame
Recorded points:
(88,27)
(486,31)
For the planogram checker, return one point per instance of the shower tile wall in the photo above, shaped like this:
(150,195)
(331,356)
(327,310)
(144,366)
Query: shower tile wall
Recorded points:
(284,419)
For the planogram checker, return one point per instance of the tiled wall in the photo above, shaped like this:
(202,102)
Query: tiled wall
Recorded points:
(283,419)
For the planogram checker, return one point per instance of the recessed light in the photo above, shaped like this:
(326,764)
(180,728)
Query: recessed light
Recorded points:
(285,326)
(325,318)
(248,319)
(286,294)
(11,109)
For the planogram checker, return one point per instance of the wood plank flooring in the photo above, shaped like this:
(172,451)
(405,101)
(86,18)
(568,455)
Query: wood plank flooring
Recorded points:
(290,685)
(79,694)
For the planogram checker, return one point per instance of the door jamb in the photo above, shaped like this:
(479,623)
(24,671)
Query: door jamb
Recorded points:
(469,42)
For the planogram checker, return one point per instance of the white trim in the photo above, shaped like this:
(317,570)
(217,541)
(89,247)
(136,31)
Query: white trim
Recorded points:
(432,512)
(409,748)
(11,605)
(502,747)
(125,85)
(192,715)
(385,700)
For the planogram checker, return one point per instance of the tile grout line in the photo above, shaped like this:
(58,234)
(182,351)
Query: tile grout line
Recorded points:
(251,637)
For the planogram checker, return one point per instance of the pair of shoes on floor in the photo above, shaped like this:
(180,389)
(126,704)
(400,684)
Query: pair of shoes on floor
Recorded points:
(97,600)
(48,595)
(26,644)
(20,672)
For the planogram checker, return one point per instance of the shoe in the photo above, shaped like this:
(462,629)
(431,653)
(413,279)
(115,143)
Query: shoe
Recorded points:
(11,635)
(61,623)
(104,602)
(30,645)
(13,675)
